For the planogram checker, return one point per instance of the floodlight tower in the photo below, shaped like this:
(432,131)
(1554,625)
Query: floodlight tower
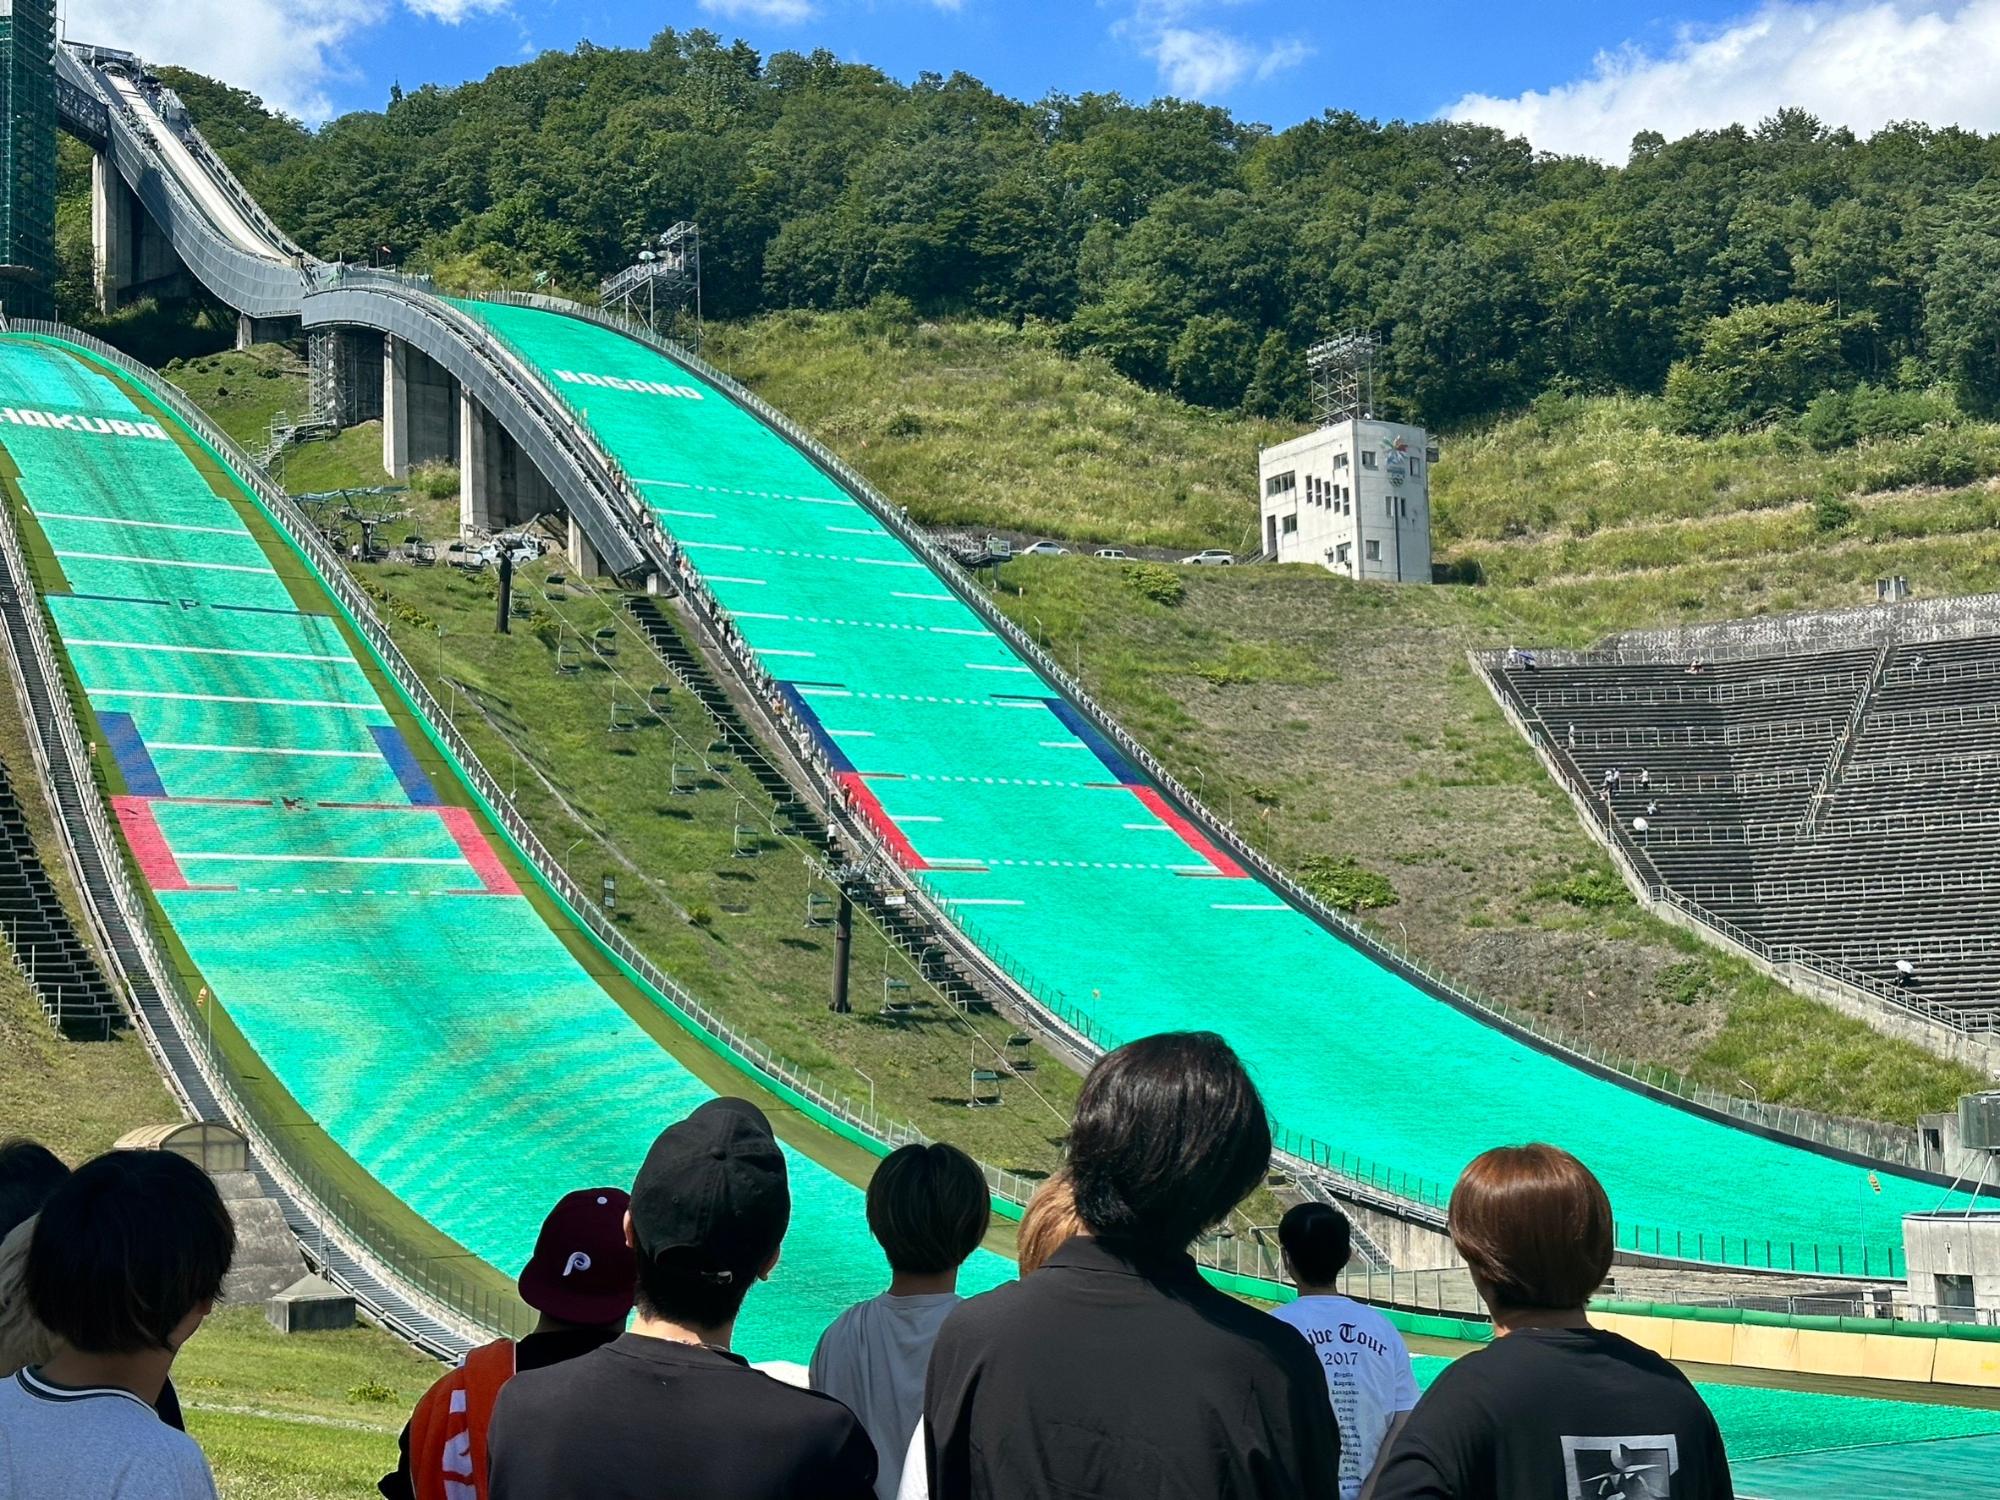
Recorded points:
(1342,370)
(664,281)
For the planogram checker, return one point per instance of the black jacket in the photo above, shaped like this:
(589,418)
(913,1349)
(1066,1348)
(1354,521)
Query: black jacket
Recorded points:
(645,1419)
(1111,1374)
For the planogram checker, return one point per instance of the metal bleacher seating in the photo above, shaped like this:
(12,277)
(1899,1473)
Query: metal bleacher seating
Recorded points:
(1841,807)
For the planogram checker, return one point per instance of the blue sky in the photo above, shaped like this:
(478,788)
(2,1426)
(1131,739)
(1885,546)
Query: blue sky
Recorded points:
(1573,75)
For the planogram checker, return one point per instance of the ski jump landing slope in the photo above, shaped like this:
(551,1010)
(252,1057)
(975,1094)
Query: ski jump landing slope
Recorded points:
(337,891)
(1062,860)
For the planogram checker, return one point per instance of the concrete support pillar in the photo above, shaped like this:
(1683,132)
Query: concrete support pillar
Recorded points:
(419,410)
(480,505)
(251,330)
(111,233)
(582,556)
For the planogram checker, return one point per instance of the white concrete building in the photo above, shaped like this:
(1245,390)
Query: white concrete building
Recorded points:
(1353,497)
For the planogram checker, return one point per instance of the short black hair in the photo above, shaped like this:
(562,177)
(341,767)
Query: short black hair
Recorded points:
(125,1249)
(29,1172)
(1169,1135)
(679,1285)
(928,1207)
(1317,1240)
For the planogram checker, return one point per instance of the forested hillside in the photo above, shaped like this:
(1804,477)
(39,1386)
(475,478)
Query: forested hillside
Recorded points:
(1199,253)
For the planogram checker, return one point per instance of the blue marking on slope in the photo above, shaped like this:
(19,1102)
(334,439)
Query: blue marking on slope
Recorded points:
(1100,747)
(396,751)
(135,761)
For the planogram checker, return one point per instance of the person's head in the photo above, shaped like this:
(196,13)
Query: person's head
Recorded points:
(1050,1220)
(29,1173)
(1317,1242)
(1169,1135)
(928,1208)
(129,1254)
(1534,1227)
(582,1270)
(709,1210)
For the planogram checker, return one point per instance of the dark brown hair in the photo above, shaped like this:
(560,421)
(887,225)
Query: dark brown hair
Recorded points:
(1534,1227)
(928,1207)
(1317,1240)
(1169,1135)
(125,1249)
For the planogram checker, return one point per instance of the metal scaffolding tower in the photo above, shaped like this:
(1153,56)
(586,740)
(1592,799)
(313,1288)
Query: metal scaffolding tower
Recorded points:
(28,158)
(662,289)
(1343,376)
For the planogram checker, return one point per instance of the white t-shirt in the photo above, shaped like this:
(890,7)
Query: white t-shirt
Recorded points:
(93,1444)
(873,1359)
(1368,1376)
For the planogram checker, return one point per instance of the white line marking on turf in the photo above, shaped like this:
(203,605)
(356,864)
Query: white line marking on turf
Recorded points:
(883,562)
(937,598)
(857,530)
(61,515)
(271,750)
(984,666)
(92,692)
(326,859)
(685,515)
(1244,906)
(725,578)
(347,661)
(1149,828)
(165,562)
(917,818)
(853,734)
(714,546)
(1062,744)
(825,692)
(769,652)
(750,614)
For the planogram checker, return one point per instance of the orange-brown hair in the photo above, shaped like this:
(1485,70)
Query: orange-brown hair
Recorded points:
(1533,1225)
(1051,1218)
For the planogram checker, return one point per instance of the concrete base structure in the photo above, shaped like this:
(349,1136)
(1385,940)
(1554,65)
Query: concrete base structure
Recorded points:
(310,1305)
(251,330)
(1953,1264)
(267,1256)
(419,410)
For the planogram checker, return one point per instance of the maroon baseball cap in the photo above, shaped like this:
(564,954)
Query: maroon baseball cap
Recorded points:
(582,1270)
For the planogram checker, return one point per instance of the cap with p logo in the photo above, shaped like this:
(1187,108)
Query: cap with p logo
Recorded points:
(582,1270)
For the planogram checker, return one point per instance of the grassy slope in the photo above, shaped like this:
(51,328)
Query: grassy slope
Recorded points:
(971,422)
(311,1417)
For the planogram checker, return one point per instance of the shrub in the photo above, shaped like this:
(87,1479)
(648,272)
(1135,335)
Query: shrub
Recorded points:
(1593,890)
(1831,513)
(434,481)
(1156,582)
(1345,884)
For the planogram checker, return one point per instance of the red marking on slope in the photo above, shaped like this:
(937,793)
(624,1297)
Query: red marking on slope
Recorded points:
(149,846)
(465,832)
(1192,836)
(870,807)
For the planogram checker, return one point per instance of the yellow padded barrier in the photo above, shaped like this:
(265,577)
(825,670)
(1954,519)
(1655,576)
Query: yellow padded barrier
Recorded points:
(1703,1343)
(1966,1362)
(1761,1348)
(1824,1353)
(1656,1334)
(1884,1356)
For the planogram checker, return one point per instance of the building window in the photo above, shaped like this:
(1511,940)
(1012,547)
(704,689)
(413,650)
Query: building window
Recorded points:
(1403,506)
(1954,1299)
(1415,468)
(1367,460)
(1279,484)
(1340,460)
(1389,506)
(1343,555)
(1374,550)
(1290,525)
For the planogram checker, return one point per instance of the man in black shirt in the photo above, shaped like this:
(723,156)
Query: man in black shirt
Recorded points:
(1552,1407)
(1115,1371)
(666,1410)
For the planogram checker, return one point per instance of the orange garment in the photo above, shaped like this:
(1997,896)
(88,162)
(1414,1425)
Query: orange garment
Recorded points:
(448,1428)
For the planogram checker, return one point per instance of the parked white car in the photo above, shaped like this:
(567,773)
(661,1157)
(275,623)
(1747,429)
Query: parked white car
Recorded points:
(1213,557)
(1113,554)
(1043,549)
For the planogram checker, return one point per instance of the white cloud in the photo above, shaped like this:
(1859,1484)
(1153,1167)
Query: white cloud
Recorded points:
(287,51)
(785,12)
(1203,61)
(1856,64)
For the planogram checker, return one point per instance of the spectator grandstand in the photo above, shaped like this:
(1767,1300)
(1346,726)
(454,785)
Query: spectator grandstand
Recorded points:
(1825,793)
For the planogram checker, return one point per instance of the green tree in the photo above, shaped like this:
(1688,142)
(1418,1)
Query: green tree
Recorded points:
(1962,301)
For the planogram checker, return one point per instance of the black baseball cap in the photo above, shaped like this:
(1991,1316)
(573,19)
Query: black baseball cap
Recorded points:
(711,1196)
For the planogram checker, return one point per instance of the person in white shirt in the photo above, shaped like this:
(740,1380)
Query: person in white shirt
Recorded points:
(928,1208)
(126,1260)
(1368,1373)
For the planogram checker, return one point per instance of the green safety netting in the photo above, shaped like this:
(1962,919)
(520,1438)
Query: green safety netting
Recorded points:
(1080,890)
(443,1036)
